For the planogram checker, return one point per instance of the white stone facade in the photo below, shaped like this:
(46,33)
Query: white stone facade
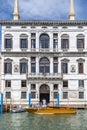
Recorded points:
(71,85)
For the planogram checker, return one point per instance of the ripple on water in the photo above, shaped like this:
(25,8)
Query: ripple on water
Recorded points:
(27,121)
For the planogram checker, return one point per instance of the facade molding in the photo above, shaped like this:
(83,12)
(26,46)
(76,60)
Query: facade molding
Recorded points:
(45,22)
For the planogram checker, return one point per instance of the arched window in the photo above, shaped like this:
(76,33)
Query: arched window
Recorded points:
(64,66)
(65,41)
(23,66)
(8,66)
(80,41)
(23,41)
(44,41)
(44,65)
(8,41)
(80,65)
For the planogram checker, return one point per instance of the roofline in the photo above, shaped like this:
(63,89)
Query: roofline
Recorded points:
(45,22)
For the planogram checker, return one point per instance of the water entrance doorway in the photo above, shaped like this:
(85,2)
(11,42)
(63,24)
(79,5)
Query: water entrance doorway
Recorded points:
(44,93)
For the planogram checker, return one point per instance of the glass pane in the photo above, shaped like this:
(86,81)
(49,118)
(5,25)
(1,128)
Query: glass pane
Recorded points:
(23,43)
(44,41)
(64,67)
(65,95)
(8,68)
(8,83)
(81,83)
(23,67)
(8,43)
(8,95)
(65,43)
(81,95)
(33,43)
(33,95)
(33,67)
(23,83)
(55,95)
(23,95)
(55,43)
(80,43)
(55,68)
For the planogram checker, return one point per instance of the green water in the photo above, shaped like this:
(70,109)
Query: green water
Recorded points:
(27,121)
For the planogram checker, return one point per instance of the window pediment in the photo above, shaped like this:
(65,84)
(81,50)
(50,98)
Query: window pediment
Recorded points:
(23,60)
(8,60)
(80,60)
(65,60)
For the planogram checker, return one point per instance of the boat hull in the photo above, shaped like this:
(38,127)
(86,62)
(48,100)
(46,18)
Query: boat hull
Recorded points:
(17,110)
(49,110)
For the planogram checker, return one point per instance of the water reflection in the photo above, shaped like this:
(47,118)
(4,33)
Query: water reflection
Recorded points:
(27,121)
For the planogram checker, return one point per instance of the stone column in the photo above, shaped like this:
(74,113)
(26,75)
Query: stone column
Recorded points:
(37,93)
(37,41)
(51,93)
(51,65)
(29,65)
(51,41)
(37,65)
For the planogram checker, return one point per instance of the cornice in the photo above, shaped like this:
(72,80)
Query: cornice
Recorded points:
(44,22)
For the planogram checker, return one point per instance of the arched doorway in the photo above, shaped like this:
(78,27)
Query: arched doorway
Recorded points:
(44,93)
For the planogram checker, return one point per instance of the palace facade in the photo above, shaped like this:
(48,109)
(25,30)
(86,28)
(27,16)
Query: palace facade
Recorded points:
(44,59)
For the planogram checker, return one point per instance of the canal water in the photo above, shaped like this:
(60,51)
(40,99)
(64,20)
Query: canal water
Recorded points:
(28,121)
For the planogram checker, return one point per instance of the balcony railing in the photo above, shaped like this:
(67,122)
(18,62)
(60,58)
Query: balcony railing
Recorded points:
(44,49)
(45,75)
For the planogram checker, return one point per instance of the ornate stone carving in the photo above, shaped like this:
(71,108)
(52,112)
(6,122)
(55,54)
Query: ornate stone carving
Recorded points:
(16,68)
(73,68)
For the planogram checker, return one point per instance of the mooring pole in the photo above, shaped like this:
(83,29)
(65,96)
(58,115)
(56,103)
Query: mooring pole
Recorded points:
(1,103)
(29,100)
(58,99)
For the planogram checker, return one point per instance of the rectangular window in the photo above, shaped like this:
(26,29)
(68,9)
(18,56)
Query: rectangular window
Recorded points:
(55,95)
(65,95)
(33,86)
(81,95)
(55,40)
(80,67)
(64,43)
(80,43)
(64,68)
(23,67)
(23,95)
(33,43)
(33,40)
(23,43)
(33,95)
(8,95)
(8,43)
(33,67)
(23,83)
(55,87)
(65,84)
(7,68)
(55,67)
(81,83)
(55,64)
(8,83)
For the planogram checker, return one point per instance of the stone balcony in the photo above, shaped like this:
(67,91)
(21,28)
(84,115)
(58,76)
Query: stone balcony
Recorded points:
(50,76)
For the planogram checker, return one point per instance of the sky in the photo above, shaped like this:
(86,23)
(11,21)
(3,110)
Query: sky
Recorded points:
(43,9)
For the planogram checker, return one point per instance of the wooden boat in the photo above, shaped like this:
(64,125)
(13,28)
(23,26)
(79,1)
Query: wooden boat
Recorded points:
(52,110)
